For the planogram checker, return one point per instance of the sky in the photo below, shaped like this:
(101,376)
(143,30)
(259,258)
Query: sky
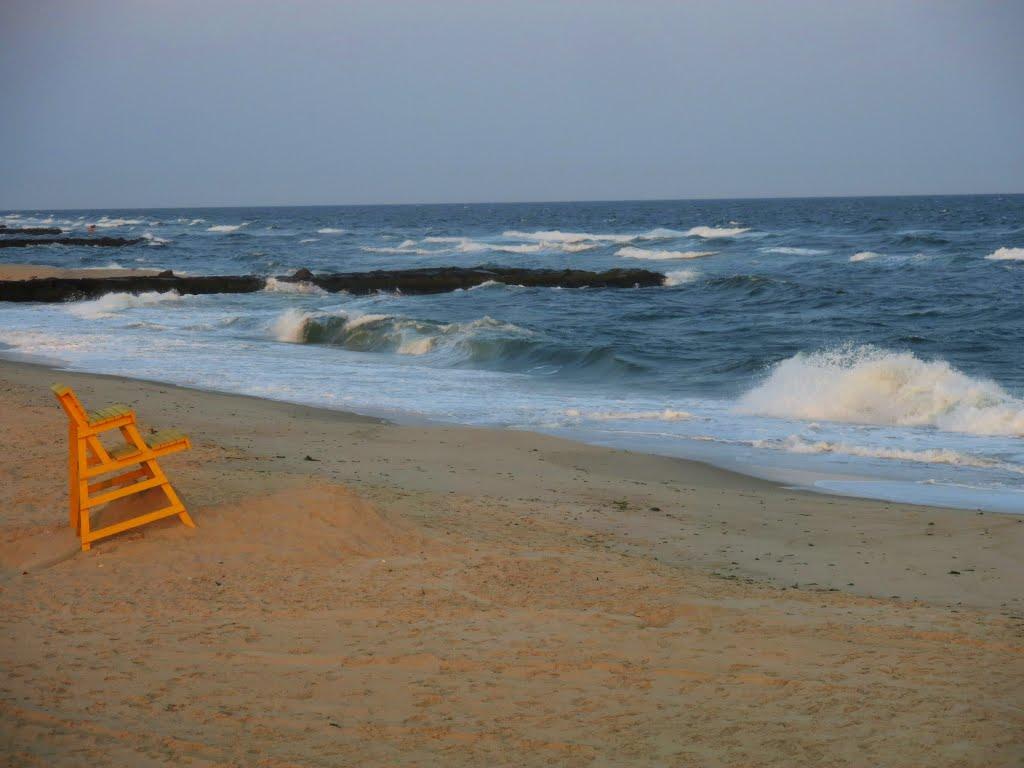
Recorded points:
(110,103)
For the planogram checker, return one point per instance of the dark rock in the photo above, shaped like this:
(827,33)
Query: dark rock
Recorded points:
(444,279)
(303,274)
(4,230)
(101,242)
(68,288)
(410,281)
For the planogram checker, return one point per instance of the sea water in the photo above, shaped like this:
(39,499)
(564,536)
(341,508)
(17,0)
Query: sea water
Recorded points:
(867,346)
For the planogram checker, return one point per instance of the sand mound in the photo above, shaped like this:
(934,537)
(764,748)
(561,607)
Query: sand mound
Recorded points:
(308,523)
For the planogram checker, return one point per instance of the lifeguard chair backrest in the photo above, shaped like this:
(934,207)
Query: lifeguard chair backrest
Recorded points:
(71,405)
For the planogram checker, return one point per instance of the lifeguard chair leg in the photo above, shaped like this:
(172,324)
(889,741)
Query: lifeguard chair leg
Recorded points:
(154,471)
(81,494)
(131,433)
(73,478)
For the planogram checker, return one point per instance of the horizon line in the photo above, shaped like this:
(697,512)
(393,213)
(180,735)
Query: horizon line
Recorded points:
(523,202)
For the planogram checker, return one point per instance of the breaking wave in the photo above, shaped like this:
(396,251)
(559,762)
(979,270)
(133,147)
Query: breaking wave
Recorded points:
(867,385)
(786,251)
(112,303)
(570,241)
(105,222)
(557,236)
(383,333)
(399,249)
(284,286)
(331,231)
(154,240)
(864,256)
(486,342)
(680,277)
(226,227)
(631,252)
(469,245)
(1007,254)
(710,233)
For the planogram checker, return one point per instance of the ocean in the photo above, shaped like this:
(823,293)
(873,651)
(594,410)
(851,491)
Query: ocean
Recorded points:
(863,346)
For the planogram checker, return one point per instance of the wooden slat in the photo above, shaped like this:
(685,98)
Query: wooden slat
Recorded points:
(120,479)
(106,498)
(135,458)
(110,530)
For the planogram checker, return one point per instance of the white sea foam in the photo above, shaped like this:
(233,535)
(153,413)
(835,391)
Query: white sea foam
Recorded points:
(154,240)
(108,223)
(1007,254)
(309,240)
(354,321)
(710,233)
(576,247)
(469,245)
(528,247)
(226,227)
(331,231)
(631,252)
(41,343)
(283,286)
(290,325)
(868,385)
(557,236)
(417,346)
(786,251)
(661,233)
(864,256)
(191,222)
(667,414)
(472,246)
(399,249)
(112,303)
(461,244)
(680,277)
(797,444)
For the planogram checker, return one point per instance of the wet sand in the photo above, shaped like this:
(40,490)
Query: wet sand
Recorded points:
(363,593)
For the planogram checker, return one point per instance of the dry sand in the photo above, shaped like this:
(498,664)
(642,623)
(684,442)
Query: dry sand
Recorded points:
(451,596)
(32,271)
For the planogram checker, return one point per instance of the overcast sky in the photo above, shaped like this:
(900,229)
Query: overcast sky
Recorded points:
(136,104)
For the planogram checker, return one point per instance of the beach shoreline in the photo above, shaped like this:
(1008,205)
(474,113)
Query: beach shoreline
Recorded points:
(463,580)
(710,479)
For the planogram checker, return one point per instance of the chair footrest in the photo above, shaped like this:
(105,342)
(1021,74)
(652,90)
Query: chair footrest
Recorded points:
(165,437)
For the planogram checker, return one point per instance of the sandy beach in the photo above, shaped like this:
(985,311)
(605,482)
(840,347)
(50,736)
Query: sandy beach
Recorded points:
(33,271)
(360,593)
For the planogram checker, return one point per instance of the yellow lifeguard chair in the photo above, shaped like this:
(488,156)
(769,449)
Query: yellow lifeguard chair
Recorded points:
(131,467)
